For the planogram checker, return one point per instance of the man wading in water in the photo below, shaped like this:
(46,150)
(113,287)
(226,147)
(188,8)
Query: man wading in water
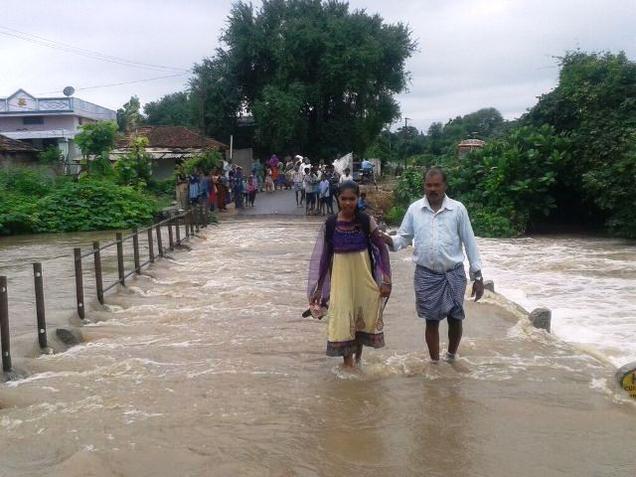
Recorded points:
(438,226)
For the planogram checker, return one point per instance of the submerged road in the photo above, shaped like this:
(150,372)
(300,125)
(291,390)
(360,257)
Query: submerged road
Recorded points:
(203,366)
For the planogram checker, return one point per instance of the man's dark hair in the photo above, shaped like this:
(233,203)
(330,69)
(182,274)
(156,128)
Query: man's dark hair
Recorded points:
(436,171)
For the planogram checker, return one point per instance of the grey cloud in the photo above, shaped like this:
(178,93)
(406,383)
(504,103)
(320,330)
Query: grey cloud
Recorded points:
(472,53)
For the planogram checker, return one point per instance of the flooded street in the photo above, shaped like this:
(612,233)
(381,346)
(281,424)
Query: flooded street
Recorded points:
(203,366)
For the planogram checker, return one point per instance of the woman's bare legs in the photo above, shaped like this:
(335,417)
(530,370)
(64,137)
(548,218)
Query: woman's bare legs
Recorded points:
(358,354)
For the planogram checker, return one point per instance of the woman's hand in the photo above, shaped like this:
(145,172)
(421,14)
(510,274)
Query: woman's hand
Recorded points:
(385,290)
(317,296)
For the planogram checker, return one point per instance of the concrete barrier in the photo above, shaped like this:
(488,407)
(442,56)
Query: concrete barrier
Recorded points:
(541,318)
(626,376)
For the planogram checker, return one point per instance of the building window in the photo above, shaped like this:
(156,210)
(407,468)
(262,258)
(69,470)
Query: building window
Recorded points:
(31,120)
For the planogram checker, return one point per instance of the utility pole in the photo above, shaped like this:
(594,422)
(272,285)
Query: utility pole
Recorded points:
(406,125)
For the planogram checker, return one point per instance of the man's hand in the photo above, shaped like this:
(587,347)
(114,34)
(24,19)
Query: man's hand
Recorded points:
(315,299)
(478,289)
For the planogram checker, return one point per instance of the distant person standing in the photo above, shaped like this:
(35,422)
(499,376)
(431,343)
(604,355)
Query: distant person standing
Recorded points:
(269,181)
(346,177)
(252,187)
(438,227)
(297,181)
(311,183)
(259,172)
(326,202)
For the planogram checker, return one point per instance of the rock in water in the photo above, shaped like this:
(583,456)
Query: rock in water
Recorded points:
(68,337)
(489,285)
(541,318)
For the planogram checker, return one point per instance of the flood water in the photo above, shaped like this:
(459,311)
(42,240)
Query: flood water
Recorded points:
(203,366)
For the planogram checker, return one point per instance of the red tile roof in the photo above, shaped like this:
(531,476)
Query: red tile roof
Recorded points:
(13,145)
(172,137)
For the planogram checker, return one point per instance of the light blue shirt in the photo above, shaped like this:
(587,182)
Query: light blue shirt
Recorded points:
(437,237)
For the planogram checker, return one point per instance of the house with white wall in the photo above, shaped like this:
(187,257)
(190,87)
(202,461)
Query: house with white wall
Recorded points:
(43,122)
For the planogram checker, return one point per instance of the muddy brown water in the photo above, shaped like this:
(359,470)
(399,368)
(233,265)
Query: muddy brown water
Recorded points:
(203,366)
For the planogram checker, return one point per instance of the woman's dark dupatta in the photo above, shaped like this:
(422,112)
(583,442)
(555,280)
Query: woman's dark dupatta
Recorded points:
(322,257)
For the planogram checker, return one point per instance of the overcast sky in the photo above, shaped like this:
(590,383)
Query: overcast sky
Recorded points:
(472,53)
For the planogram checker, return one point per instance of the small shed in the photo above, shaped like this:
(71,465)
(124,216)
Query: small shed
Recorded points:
(468,145)
(16,152)
(168,146)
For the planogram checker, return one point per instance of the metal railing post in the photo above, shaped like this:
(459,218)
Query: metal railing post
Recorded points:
(39,304)
(136,250)
(151,246)
(177,230)
(186,221)
(120,259)
(4,326)
(79,282)
(170,235)
(159,240)
(99,284)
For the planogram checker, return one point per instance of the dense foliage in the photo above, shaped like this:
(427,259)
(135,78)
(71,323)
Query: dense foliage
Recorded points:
(314,77)
(570,161)
(33,200)
(92,204)
(172,109)
(594,106)
(36,200)
(96,138)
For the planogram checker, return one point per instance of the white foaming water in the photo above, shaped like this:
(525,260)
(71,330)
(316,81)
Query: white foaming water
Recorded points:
(588,283)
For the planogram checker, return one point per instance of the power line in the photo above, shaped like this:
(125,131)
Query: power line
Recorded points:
(94,55)
(109,85)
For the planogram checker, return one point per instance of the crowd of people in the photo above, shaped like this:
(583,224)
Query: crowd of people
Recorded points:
(222,186)
(315,186)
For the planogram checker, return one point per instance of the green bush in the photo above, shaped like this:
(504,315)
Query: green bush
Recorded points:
(395,214)
(92,204)
(27,181)
(17,213)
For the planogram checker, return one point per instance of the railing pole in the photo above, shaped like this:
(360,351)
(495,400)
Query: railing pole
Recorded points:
(196,216)
(79,282)
(39,304)
(178,230)
(170,237)
(193,220)
(151,246)
(136,250)
(207,216)
(159,240)
(99,284)
(4,326)
(120,259)
(186,221)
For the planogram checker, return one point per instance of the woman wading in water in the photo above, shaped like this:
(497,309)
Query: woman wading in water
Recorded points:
(350,274)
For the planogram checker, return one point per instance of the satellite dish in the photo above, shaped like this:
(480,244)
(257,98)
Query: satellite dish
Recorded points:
(68,91)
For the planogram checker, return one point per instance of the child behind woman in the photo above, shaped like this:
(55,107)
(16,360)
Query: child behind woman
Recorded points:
(326,204)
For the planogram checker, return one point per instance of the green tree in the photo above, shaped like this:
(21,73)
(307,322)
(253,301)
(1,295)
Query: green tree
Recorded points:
(135,167)
(174,109)
(129,116)
(96,138)
(316,76)
(594,106)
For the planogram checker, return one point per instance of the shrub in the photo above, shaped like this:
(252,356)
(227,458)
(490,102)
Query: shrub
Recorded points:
(92,204)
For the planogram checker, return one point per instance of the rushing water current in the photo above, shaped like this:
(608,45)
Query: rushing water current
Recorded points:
(203,366)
